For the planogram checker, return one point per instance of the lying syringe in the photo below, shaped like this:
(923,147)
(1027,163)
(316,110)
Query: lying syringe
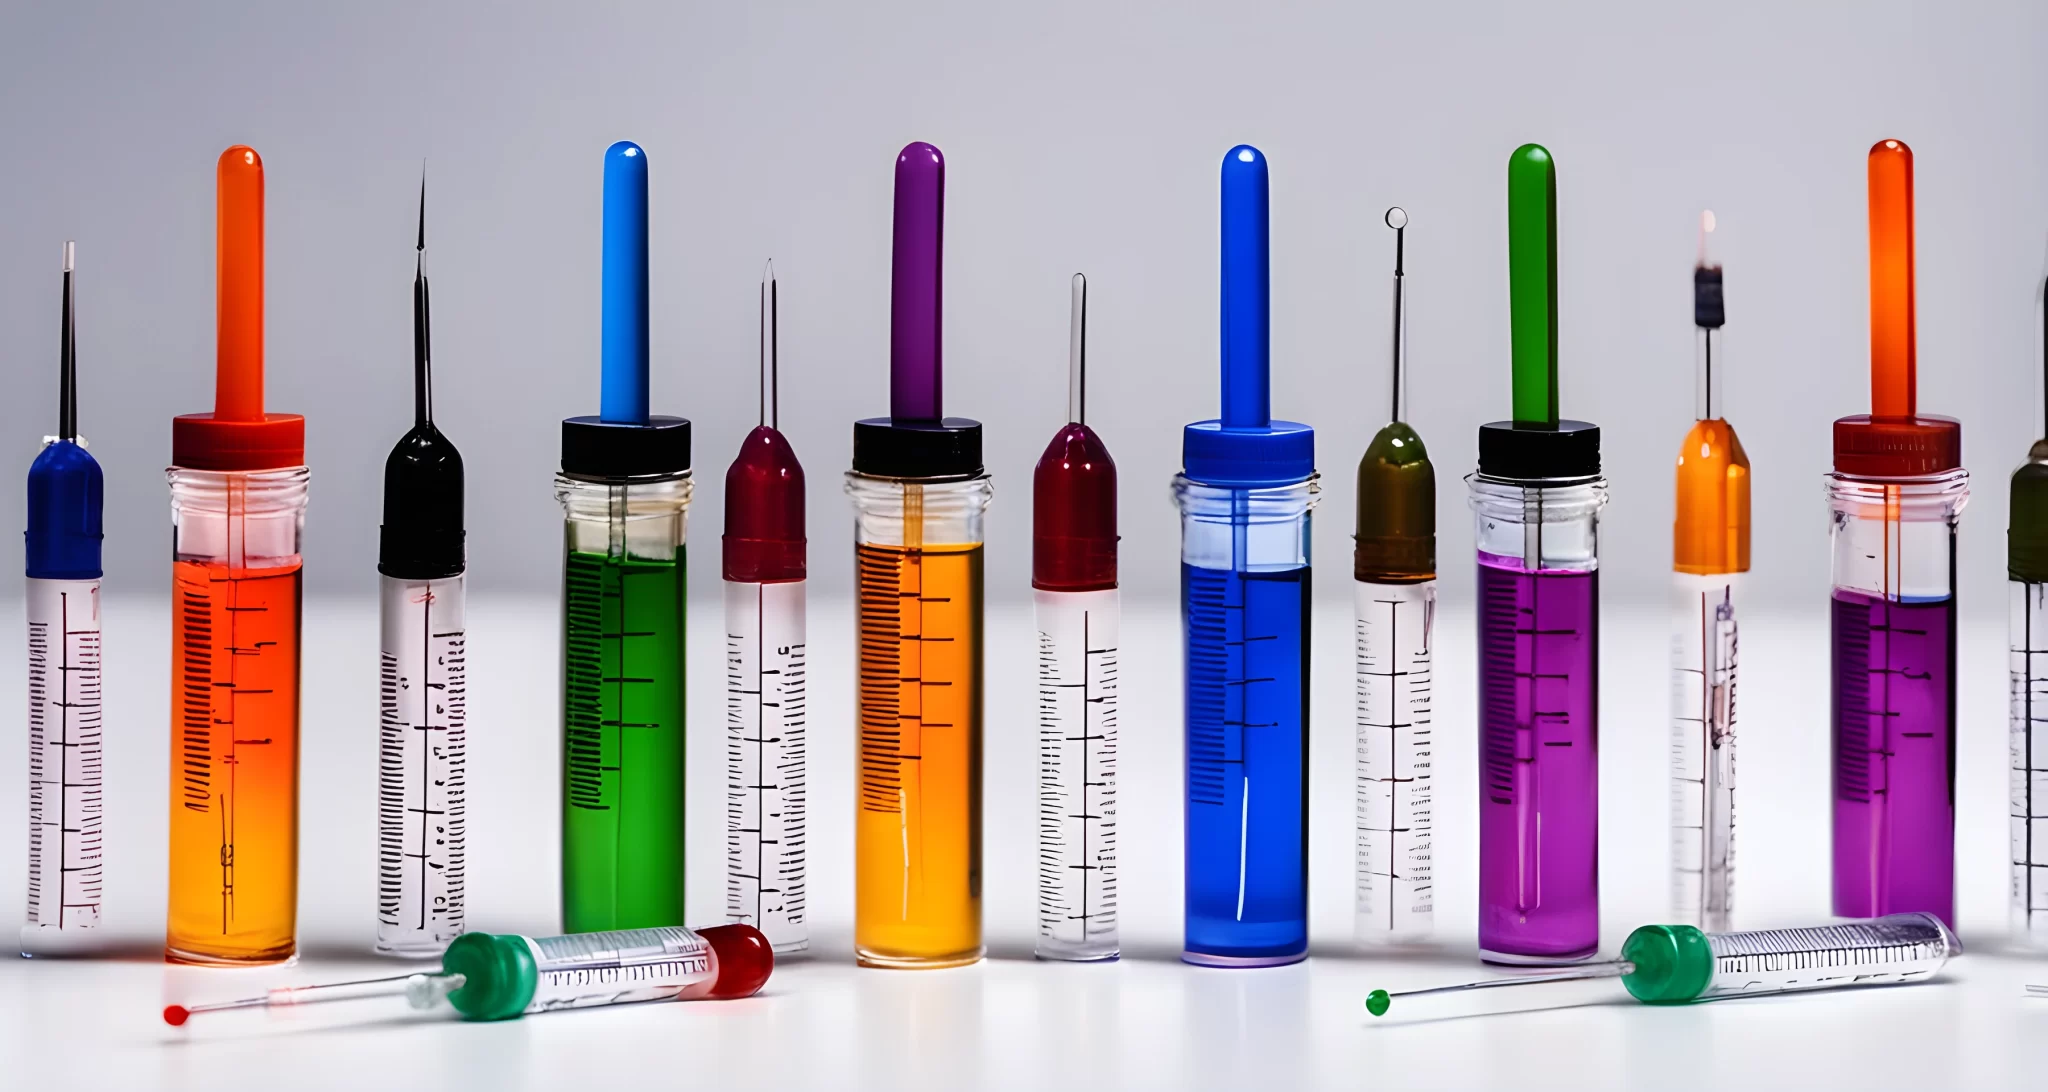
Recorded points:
(1393,569)
(421,769)
(765,566)
(65,490)
(1074,588)
(498,977)
(1676,964)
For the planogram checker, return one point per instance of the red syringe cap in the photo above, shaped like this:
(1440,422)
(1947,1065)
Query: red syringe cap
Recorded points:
(745,959)
(1897,447)
(1073,510)
(764,511)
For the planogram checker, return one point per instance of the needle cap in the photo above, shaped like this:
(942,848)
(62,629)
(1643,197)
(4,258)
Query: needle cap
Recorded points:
(1673,964)
(764,511)
(66,493)
(1073,513)
(498,975)
(745,959)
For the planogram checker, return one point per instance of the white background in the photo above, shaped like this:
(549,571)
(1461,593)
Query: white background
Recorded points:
(1079,136)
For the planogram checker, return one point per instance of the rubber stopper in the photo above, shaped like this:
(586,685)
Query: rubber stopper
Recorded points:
(745,959)
(498,975)
(1674,964)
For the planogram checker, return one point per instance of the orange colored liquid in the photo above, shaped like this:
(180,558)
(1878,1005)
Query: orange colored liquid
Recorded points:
(917,823)
(234,858)
(1711,533)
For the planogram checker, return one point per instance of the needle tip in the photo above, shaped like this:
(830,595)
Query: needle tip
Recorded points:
(70,255)
(1397,217)
(175,1015)
(1377,1002)
(1080,281)
(768,272)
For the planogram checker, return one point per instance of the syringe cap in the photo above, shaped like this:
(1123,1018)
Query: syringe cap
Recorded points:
(601,450)
(2026,535)
(1073,513)
(886,447)
(764,511)
(1673,963)
(1281,453)
(65,506)
(421,536)
(745,959)
(1396,530)
(203,441)
(498,975)
(1533,453)
(1897,447)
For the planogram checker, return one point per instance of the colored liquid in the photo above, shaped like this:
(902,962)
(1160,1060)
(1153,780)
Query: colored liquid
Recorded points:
(917,829)
(1539,789)
(1247,765)
(1894,750)
(234,845)
(622,739)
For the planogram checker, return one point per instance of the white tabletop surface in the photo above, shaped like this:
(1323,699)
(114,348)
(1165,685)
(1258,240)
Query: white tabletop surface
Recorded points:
(1146,1021)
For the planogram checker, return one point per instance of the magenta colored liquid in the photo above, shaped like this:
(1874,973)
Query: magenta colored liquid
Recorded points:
(1539,787)
(1895,756)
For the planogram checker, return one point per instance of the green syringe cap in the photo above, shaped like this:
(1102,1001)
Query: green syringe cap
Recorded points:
(1673,964)
(498,975)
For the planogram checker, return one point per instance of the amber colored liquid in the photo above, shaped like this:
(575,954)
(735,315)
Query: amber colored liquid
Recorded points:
(917,827)
(1711,532)
(234,859)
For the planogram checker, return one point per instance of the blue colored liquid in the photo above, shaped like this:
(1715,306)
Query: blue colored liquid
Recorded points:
(1247,763)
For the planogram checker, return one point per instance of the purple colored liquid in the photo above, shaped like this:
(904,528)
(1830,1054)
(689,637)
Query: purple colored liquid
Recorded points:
(1895,751)
(1539,789)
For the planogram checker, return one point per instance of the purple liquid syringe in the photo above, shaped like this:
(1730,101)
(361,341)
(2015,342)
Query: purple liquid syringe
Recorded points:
(1536,499)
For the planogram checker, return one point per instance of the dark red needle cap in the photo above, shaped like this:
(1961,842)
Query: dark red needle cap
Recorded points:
(1073,514)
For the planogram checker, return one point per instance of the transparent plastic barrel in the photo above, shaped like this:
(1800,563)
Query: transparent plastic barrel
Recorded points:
(2028,766)
(1894,659)
(422,765)
(66,800)
(1704,654)
(1078,638)
(1245,616)
(1539,718)
(1394,655)
(917,819)
(766,731)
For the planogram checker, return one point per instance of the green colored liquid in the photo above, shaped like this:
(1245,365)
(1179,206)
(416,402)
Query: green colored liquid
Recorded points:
(622,740)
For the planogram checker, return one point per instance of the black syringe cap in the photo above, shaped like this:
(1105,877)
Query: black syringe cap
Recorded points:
(600,450)
(1534,453)
(421,538)
(888,448)
(1707,310)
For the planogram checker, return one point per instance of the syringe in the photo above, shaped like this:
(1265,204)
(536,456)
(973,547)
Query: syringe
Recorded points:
(1895,494)
(1245,491)
(1710,552)
(1678,964)
(765,636)
(65,799)
(422,794)
(2027,576)
(1536,499)
(489,976)
(238,505)
(625,491)
(1393,570)
(1074,590)
(919,493)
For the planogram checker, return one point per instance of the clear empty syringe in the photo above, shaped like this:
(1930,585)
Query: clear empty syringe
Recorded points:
(422,752)
(486,976)
(65,799)
(1894,497)
(1710,553)
(1393,569)
(1677,964)
(1074,589)
(2027,600)
(1245,491)
(765,648)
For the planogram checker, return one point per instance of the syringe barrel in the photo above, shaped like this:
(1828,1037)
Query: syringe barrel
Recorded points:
(1394,654)
(1078,643)
(504,976)
(234,772)
(766,749)
(65,799)
(1245,617)
(917,832)
(1538,546)
(423,796)
(1894,697)
(1704,654)
(1676,963)
(623,604)
(2027,599)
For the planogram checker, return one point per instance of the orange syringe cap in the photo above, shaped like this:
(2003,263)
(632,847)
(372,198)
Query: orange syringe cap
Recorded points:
(1894,440)
(238,435)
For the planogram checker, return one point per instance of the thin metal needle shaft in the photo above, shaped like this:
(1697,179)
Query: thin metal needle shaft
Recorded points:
(1614,969)
(1077,354)
(422,335)
(67,359)
(770,388)
(1397,218)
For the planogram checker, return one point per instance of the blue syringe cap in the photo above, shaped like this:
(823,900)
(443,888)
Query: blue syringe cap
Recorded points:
(1282,453)
(65,499)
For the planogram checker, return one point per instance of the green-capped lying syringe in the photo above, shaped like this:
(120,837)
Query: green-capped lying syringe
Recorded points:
(1678,964)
